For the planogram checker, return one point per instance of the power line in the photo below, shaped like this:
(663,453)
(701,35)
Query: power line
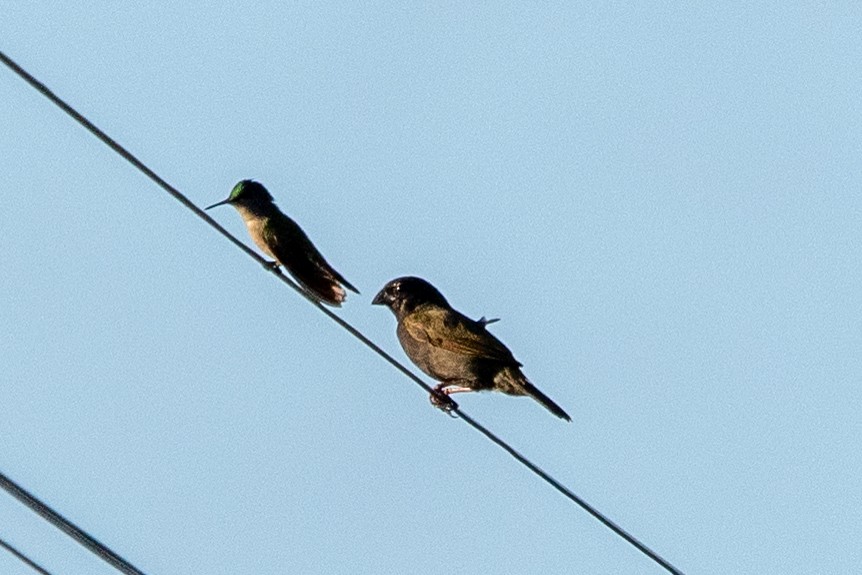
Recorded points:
(66,526)
(24,559)
(128,156)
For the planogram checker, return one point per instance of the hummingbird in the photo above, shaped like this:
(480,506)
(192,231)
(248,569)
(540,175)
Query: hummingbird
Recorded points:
(457,351)
(282,239)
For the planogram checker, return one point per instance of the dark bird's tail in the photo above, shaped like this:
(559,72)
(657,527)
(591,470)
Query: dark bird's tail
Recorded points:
(549,404)
(510,380)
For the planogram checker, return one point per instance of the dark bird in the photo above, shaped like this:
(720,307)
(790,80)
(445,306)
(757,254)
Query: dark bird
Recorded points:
(281,238)
(455,350)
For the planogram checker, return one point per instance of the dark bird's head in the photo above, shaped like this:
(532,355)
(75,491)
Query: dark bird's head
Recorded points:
(403,295)
(247,194)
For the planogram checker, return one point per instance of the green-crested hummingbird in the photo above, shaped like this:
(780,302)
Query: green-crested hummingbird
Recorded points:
(282,239)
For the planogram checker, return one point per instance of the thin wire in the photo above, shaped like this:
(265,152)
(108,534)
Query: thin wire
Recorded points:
(66,526)
(24,559)
(128,156)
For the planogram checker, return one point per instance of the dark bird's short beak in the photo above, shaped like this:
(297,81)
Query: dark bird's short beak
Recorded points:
(221,203)
(380,298)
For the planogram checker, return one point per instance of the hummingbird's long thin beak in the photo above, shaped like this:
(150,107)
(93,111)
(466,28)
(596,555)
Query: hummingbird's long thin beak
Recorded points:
(221,203)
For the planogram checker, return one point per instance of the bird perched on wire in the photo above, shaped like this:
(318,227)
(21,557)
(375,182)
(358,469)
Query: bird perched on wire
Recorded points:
(282,238)
(455,350)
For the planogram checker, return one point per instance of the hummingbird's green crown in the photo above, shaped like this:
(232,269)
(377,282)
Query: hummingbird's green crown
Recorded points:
(248,191)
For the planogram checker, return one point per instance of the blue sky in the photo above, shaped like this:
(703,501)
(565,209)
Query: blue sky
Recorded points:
(661,201)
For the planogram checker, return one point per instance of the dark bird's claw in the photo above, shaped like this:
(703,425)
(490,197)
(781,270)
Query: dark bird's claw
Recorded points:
(443,402)
(484,321)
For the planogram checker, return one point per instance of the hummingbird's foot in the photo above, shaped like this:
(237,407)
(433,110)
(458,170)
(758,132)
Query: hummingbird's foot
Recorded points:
(441,400)
(272,267)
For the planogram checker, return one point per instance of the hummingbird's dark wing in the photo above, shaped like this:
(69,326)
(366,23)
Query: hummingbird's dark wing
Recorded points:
(292,248)
(452,331)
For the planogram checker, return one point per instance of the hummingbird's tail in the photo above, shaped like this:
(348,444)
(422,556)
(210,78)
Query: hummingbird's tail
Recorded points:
(327,292)
(319,278)
(345,283)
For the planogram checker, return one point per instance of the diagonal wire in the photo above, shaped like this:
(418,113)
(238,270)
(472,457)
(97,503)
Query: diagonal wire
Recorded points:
(67,526)
(72,530)
(128,156)
(24,559)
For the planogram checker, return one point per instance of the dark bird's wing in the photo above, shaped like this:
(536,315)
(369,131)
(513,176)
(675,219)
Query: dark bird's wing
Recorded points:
(292,248)
(449,330)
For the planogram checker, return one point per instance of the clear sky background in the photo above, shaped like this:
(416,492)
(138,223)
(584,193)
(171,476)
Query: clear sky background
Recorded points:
(660,200)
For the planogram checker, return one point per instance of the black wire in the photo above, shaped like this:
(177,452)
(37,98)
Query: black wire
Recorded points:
(24,559)
(45,91)
(67,526)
